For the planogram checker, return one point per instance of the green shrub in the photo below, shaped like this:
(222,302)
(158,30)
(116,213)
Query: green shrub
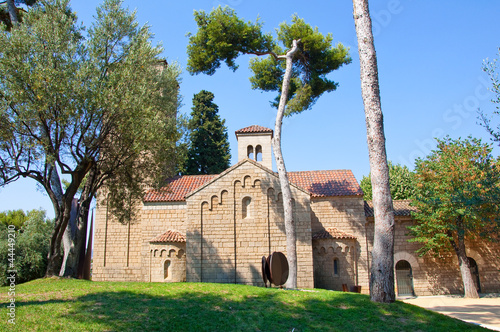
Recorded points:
(30,248)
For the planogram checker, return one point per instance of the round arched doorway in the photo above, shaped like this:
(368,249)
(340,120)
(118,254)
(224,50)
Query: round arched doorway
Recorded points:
(404,278)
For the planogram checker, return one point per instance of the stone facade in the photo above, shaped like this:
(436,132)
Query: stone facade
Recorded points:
(216,228)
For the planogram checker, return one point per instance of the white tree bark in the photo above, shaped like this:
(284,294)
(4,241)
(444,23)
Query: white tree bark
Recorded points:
(291,236)
(382,268)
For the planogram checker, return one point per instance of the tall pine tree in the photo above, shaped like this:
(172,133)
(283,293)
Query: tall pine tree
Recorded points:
(208,152)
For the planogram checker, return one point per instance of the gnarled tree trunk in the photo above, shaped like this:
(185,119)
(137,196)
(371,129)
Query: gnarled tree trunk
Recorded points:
(382,268)
(470,290)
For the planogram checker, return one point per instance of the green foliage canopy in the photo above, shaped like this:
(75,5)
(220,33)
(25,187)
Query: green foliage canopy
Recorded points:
(13,217)
(75,102)
(457,195)
(222,37)
(31,246)
(401,181)
(208,152)
(99,101)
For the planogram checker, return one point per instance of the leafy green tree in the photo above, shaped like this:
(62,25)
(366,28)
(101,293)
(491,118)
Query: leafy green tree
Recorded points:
(490,67)
(13,217)
(100,105)
(382,265)
(457,196)
(31,247)
(400,181)
(208,152)
(296,66)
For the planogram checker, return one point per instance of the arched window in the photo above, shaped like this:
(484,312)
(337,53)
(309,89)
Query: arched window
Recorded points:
(166,265)
(258,153)
(250,152)
(245,213)
(335,266)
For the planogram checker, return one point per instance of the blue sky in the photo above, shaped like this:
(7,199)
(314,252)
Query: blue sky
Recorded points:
(430,55)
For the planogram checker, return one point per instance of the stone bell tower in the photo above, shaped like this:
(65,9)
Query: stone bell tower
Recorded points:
(254,142)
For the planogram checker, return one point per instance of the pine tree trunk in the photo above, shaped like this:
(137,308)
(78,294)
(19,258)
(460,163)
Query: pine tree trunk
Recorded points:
(291,236)
(382,268)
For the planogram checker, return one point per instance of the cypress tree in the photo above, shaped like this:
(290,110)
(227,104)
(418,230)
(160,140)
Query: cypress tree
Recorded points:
(208,152)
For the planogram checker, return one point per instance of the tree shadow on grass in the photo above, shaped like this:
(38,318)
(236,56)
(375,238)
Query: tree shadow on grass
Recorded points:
(257,309)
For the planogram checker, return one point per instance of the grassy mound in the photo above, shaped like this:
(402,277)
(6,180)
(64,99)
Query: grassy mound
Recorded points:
(78,305)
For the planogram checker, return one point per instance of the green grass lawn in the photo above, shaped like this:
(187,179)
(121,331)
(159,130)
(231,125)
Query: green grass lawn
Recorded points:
(78,305)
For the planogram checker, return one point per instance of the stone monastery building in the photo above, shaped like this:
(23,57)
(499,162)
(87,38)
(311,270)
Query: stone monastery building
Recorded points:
(216,228)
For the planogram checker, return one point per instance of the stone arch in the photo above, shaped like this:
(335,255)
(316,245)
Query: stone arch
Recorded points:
(476,256)
(322,251)
(155,252)
(171,253)
(256,183)
(247,180)
(402,255)
(330,250)
(271,193)
(214,200)
(223,196)
(162,251)
(180,253)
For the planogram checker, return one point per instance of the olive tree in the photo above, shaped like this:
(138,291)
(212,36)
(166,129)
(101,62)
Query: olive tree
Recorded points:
(98,105)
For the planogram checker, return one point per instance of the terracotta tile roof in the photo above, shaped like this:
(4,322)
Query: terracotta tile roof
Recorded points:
(169,236)
(401,208)
(327,183)
(253,129)
(318,183)
(332,233)
(177,188)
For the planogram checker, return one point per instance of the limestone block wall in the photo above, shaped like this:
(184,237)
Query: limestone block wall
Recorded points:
(117,248)
(441,275)
(236,220)
(330,252)
(346,213)
(167,262)
(157,218)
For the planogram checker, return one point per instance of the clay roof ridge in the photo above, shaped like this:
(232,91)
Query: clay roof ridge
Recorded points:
(332,233)
(253,129)
(169,236)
